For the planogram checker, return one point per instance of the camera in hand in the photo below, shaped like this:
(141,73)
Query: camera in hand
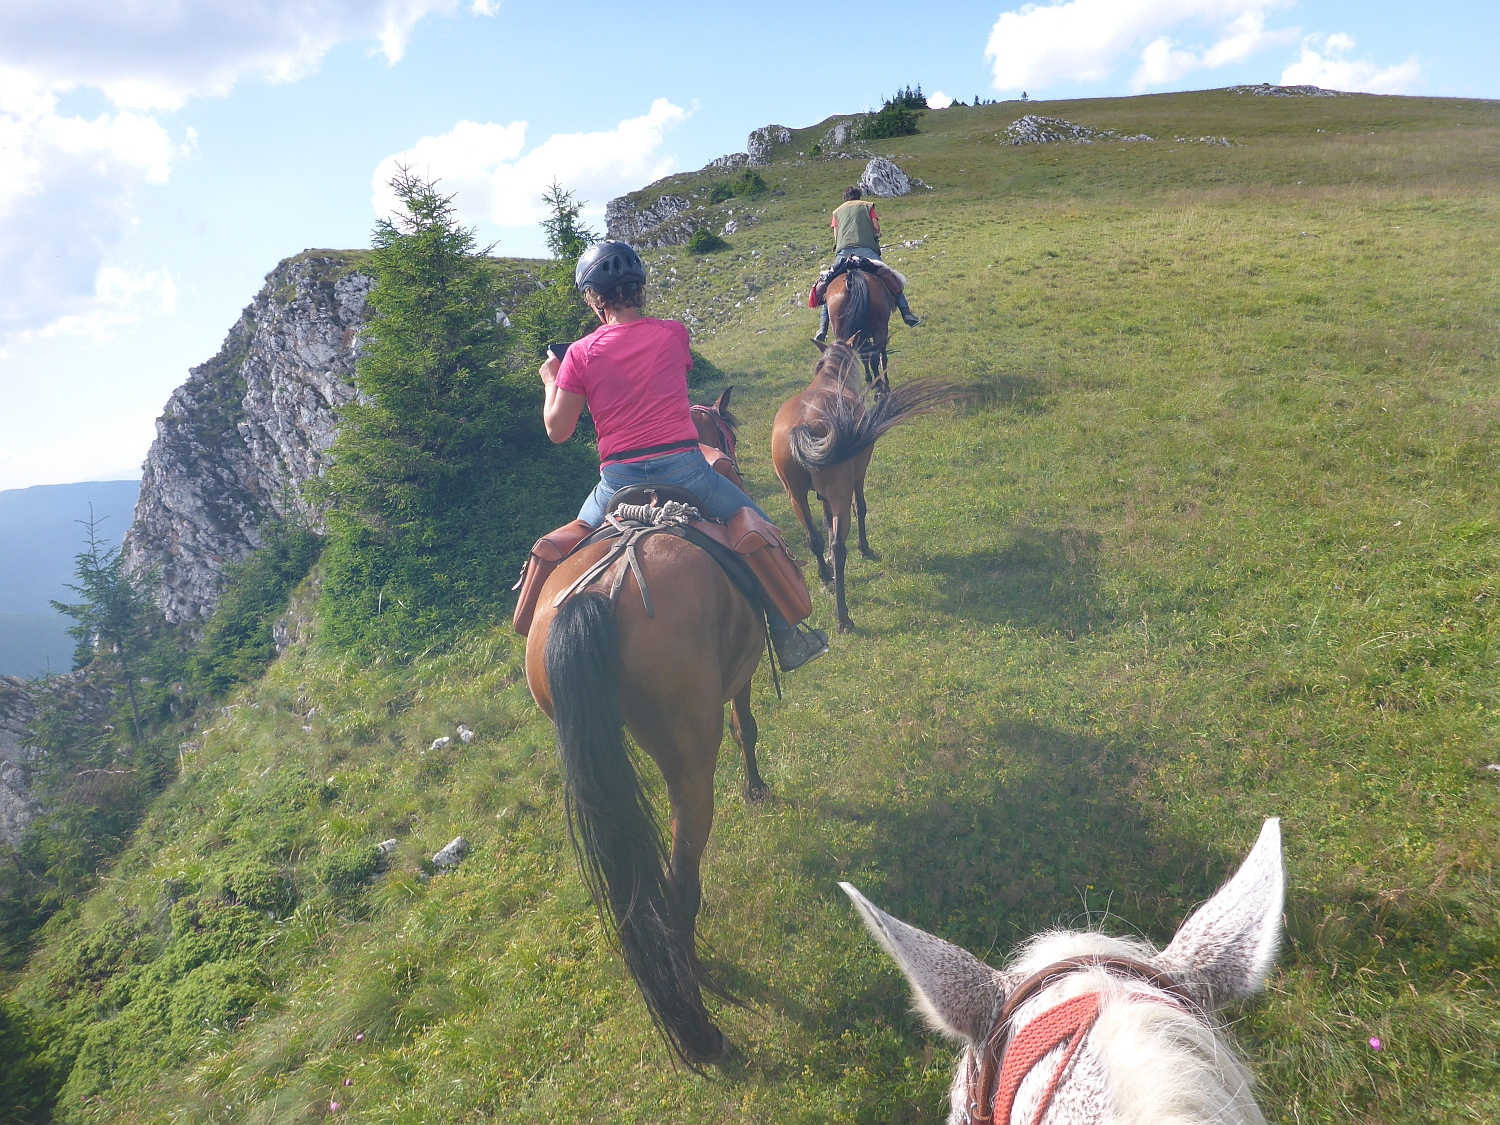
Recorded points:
(557,351)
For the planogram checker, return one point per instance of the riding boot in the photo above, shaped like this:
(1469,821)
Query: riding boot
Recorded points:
(911,318)
(794,646)
(822,327)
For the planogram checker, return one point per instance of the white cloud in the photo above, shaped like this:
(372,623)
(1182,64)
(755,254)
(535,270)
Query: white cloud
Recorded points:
(938,100)
(483,165)
(1038,46)
(1328,68)
(147,55)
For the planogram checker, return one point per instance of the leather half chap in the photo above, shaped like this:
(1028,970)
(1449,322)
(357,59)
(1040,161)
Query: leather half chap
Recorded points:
(759,542)
(547,552)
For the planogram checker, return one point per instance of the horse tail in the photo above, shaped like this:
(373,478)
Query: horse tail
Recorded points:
(855,321)
(845,425)
(615,831)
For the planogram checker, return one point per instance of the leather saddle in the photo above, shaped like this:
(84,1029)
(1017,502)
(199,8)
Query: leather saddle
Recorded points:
(749,548)
(873,266)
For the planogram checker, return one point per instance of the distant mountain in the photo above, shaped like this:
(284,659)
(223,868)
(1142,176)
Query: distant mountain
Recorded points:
(39,536)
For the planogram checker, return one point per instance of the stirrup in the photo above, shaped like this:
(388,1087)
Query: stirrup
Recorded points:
(800,647)
(911,318)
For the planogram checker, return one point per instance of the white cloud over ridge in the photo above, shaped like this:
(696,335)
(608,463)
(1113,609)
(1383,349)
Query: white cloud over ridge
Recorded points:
(67,182)
(1038,46)
(483,165)
(1323,64)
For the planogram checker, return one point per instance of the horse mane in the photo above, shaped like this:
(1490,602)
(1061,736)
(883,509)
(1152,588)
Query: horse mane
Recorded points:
(1160,1064)
(840,423)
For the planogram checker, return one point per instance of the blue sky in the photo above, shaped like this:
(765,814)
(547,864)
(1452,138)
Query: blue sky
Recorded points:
(157,160)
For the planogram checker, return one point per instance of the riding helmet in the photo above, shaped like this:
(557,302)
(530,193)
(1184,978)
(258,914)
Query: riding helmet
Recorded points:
(607,265)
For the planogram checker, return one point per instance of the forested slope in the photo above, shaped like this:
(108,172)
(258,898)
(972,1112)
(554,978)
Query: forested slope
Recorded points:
(1215,541)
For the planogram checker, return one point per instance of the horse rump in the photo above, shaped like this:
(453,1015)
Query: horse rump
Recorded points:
(615,830)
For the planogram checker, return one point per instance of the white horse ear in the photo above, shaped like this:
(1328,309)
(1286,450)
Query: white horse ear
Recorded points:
(957,993)
(1225,950)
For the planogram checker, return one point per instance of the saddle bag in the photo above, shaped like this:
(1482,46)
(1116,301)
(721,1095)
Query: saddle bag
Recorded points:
(546,553)
(759,542)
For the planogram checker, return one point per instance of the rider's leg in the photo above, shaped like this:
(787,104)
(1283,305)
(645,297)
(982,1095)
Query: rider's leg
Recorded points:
(823,325)
(911,318)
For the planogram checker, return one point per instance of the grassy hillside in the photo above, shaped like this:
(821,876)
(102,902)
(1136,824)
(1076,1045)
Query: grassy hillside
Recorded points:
(1216,541)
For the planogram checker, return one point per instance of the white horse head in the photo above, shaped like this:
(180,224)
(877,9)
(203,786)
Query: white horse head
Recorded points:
(1123,1033)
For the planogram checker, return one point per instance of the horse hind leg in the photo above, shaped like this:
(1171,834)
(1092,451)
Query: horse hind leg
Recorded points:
(743,726)
(859,512)
(827,568)
(840,558)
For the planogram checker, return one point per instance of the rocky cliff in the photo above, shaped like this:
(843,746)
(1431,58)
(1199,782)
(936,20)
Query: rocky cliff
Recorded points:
(21,701)
(238,439)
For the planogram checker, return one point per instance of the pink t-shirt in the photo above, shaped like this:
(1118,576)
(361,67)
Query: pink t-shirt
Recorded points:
(634,378)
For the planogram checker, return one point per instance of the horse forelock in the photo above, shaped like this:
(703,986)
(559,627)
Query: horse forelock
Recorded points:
(1147,1060)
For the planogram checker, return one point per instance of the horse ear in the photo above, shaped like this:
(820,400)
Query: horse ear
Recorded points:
(821,346)
(723,403)
(958,994)
(1225,950)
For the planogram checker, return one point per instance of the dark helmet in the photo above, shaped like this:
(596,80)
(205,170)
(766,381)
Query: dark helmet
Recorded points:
(607,265)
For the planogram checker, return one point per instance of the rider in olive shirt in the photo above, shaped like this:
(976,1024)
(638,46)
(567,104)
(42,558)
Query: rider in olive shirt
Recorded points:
(856,233)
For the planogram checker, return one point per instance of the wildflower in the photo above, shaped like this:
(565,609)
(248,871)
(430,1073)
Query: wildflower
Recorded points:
(334,1107)
(348,1082)
(1375,1043)
(360,1038)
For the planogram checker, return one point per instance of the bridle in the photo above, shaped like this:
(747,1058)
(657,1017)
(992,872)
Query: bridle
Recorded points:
(992,1058)
(726,435)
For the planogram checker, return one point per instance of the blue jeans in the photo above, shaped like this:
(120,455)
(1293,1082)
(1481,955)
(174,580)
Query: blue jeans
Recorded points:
(688,469)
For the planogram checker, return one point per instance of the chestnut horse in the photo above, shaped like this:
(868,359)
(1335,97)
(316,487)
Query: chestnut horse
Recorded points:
(859,313)
(822,441)
(599,669)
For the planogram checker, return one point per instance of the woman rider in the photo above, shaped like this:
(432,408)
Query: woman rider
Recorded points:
(631,372)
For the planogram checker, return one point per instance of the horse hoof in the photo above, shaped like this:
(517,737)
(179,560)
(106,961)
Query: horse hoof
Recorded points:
(828,586)
(715,1049)
(755,794)
(846,626)
(869,554)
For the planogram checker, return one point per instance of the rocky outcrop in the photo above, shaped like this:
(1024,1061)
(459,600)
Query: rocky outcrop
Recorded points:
(1266,90)
(237,441)
(840,134)
(763,141)
(1036,130)
(884,179)
(21,704)
(660,223)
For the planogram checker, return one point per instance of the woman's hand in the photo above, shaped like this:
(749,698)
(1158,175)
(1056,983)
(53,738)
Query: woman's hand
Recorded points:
(548,371)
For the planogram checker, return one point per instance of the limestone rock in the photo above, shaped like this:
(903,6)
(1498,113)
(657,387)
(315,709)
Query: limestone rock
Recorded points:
(727,163)
(884,179)
(652,227)
(465,735)
(21,703)
(763,140)
(1266,90)
(1033,129)
(452,855)
(839,135)
(440,743)
(237,441)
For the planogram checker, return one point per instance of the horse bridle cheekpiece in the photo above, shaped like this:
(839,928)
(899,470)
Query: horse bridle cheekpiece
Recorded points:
(725,433)
(1069,1021)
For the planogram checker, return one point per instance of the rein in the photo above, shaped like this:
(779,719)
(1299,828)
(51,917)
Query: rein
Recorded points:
(997,1044)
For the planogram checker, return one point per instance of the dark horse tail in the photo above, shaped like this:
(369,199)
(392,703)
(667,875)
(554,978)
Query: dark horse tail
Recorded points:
(614,829)
(843,425)
(854,318)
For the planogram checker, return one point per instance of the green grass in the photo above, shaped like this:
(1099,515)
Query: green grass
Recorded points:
(1216,541)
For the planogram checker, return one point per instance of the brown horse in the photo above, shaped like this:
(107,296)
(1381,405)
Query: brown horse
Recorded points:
(719,429)
(598,669)
(822,441)
(859,314)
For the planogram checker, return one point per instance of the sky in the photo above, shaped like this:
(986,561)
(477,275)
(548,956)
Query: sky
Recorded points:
(157,160)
